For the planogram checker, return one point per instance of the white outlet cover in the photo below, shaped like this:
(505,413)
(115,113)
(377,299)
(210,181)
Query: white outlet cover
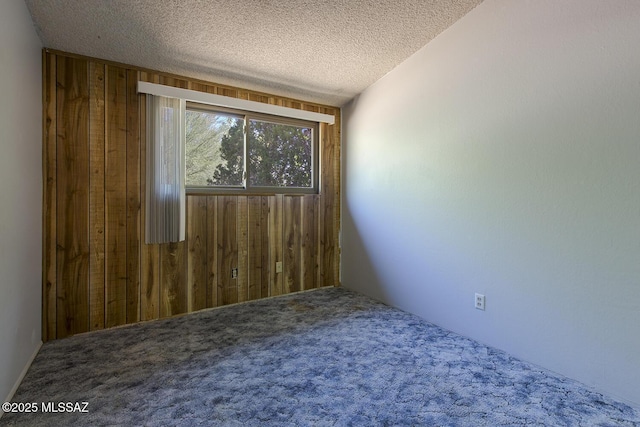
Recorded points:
(479,301)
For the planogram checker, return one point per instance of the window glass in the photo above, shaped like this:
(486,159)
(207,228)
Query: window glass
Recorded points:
(214,149)
(280,155)
(230,150)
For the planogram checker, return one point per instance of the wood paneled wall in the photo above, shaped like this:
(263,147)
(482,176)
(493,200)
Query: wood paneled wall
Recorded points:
(97,271)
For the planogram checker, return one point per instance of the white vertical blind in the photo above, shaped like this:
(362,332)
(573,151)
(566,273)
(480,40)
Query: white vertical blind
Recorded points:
(165,180)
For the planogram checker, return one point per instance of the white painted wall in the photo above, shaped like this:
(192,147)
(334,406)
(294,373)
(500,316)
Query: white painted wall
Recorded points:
(504,158)
(20,192)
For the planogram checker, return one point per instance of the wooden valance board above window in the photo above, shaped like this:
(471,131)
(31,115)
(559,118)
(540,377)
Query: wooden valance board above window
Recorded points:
(233,103)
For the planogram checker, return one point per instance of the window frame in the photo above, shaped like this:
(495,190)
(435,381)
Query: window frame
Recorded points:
(245,188)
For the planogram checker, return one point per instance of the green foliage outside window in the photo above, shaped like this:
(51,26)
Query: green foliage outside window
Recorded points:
(279,154)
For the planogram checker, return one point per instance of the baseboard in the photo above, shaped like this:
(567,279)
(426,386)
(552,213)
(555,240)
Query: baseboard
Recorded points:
(21,377)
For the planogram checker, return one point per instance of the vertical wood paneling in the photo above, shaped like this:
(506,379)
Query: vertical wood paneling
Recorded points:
(72,197)
(149,254)
(233,93)
(116,196)
(335,183)
(149,281)
(316,244)
(308,246)
(227,249)
(328,237)
(212,251)
(173,279)
(96,196)
(49,156)
(172,81)
(292,243)
(242,224)
(266,267)
(97,270)
(197,272)
(255,265)
(133,199)
(197,86)
(276,279)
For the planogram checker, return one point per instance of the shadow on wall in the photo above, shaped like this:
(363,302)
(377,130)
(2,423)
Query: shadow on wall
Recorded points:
(358,271)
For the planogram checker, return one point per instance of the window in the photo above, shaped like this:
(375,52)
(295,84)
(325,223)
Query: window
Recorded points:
(229,150)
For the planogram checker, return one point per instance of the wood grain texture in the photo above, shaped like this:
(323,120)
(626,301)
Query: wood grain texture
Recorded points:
(149,281)
(133,199)
(335,184)
(265,264)
(96,196)
(197,273)
(97,271)
(243,249)
(212,251)
(173,279)
(72,308)
(254,254)
(49,225)
(276,278)
(328,232)
(116,196)
(292,243)
(308,243)
(227,248)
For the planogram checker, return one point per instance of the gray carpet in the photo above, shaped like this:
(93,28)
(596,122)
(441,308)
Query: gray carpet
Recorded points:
(329,357)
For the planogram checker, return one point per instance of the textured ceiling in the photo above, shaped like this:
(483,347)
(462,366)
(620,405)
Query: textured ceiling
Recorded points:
(325,51)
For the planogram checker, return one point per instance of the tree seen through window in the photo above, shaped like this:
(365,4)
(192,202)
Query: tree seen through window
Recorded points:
(278,154)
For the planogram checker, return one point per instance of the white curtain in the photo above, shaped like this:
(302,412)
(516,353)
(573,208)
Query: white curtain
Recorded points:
(165,195)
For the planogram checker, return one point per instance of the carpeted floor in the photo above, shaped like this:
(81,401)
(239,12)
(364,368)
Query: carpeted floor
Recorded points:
(329,357)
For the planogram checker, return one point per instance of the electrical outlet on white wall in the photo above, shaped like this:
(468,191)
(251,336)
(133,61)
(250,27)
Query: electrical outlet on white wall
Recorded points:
(479,302)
